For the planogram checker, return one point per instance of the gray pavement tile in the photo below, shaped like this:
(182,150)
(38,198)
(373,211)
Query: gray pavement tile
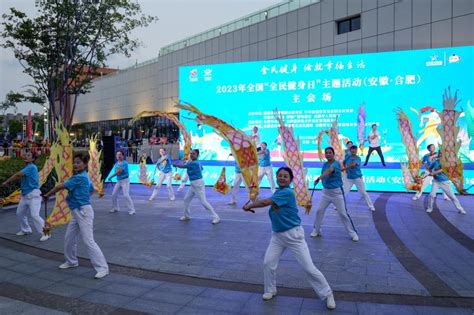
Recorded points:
(222,294)
(153,307)
(55,275)
(5,262)
(124,279)
(168,297)
(320,305)
(180,288)
(433,310)
(31,282)
(14,307)
(279,300)
(368,308)
(24,268)
(89,283)
(66,290)
(124,289)
(202,311)
(18,256)
(265,308)
(6,275)
(216,305)
(116,300)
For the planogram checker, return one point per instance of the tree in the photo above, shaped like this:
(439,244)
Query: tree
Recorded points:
(62,47)
(14,127)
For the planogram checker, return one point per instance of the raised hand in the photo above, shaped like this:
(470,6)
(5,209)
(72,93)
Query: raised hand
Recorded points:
(448,101)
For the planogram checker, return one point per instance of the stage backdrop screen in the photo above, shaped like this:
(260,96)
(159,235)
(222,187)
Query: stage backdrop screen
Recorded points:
(311,93)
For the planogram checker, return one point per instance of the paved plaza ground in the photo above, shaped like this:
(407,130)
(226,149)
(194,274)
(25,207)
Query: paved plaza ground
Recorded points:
(406,262)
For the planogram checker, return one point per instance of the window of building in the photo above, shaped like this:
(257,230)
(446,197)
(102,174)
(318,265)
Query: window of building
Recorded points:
(348,25)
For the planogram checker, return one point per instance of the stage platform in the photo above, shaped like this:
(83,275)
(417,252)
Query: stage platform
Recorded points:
(404,257)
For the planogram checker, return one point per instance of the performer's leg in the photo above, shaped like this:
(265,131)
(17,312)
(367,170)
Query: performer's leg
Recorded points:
(270,263)
(368,155)
(320,211)
(201,194)
(446,187)
(187,201)
(115,206)
(21,214)
(359,182)
(126,189)
(434,188)
(379,151)
(341,206)
(169,186)
(161,177)
(269,173)
(425,183)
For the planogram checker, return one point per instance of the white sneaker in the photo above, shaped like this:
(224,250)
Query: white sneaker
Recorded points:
(101,274)
(184,218)
(113,210)
(462,211)
(415,197)
(131,212)
(67,266)
(330,302)
(172,198)
(429,210)
(355,238)
(372,208)
(45,237)
(231,203)
(268,296)
(179,189)
(315,233)
(21,233)
(216,220)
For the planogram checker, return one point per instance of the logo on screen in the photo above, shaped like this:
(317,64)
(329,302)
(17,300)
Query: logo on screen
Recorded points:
(207,74)
(434,61)
(454,58)
(193,75)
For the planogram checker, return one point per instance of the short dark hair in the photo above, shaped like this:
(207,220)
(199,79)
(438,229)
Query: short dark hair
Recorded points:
(349,142)
(329,148)
(428,146)
(374,125)
(83,157)
(286,168)
(353,147)
(264,143)
(121,151)
(196,150)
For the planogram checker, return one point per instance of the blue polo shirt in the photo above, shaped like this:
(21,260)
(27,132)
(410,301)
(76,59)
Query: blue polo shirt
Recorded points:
(426,159)
(79,187)
(194,169)
(286,217)
(441,177)
(237,168)
(264,158)
(124,167)
(30,179)
(167,167)
(334,180)
(353,172)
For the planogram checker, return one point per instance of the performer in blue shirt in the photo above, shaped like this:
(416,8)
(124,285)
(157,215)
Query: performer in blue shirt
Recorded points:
(265,166)
(197,187)
(287,232)
(332,193)
(80,188)
(238,178)
(30,198)
(164,165)
(354,176)
(440,180)
(123,181)
(427,160)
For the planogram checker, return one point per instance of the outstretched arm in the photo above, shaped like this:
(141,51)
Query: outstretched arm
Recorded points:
(327,172)
(54,190)
(12,178)
(260,203)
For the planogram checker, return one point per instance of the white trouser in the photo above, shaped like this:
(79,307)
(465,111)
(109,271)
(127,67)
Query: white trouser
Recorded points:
(125,184)
(426,181)
(197,188)
(82,223)
(268,171)
(336,197)
(446,188)
(161,178)
(31,202)
(294,240)
(184,179)
(237,181)
(359,182)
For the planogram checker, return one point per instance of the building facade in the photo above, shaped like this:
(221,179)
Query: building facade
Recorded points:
(294,29)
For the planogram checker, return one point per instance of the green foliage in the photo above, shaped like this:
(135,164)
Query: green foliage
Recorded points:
(15,127)
(62,45)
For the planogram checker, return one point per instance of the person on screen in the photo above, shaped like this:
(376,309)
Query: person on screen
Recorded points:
(256,137)
(287,233)
(427,160)
(354,176)
(347,151)
(374,145)
(238,178)
(265,166)
(123,181)
(440,180)
(164,165)
(332,192)
(194,171)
